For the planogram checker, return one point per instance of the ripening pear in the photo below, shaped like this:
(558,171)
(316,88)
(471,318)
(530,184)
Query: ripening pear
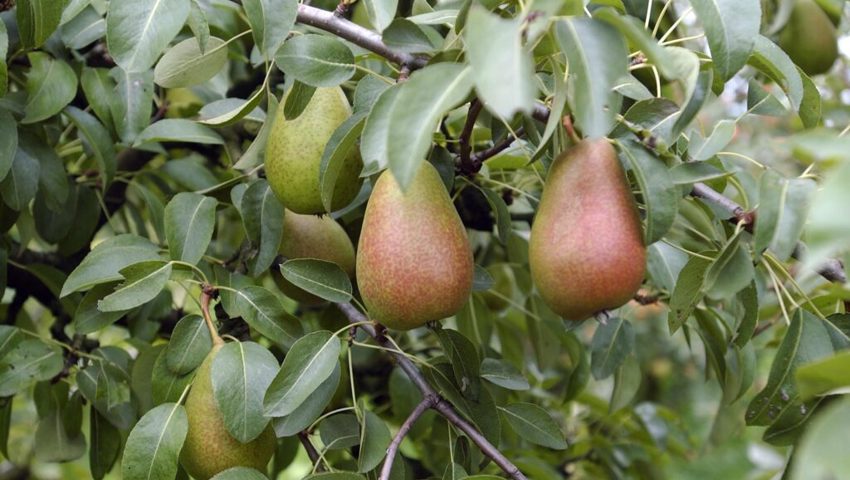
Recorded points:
(294,154)
(586,251)
(311,236)
(810,38)
(209,448)
(414,262)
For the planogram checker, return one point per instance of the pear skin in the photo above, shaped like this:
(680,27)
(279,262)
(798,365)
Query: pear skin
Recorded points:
(209,448)
(414,262)
(294,154)
(311,236)
(810,38)
(586,251)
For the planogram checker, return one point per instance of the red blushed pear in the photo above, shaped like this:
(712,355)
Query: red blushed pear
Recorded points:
(586,251)
(414,262)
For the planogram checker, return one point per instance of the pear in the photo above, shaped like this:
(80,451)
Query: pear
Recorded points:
(311,236)
(414,262)
(294,154)
(586,251)
(810,38)
(209,448)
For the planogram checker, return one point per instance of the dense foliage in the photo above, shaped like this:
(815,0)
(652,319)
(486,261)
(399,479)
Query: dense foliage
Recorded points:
(136,213)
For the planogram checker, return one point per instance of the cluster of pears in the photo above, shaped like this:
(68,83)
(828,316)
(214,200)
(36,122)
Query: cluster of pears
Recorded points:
(209,448)
(810,37)
(586,251)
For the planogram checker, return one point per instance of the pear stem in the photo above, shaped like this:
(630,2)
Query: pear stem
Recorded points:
(207,293)
(439,404)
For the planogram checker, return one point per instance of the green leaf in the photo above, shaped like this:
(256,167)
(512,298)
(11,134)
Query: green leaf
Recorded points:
(37,20)
(84,29)
(137,31)
(823,376)
(309,362)
(810,107)
(688,292)
(228,111)
(241,373)
(143,282)
(98,139)
(731,271)
(199,24)
(316,60)
(340,431)
(264,312)
(105,445)
(775,63)
(373,142)
(4,69)
(464,359)
(189,225)
(154,444)
(534,424)
(689,173)
(28,362)
(374,439)
(806,340)
(99,88)
(335,476)
(131,112)
(270,22)
(297,99)
(51,85)
(253,156)
(239,473)
(309,411)
(660,197)
(408,37)
(783,207)
(826,232)
(324,279)
(21,181)
(262,215)
(178,130)
(633,29)
(166,386)
(380,12)
(731,27)
(503,374)
(612,342)
(597,57)
(500,213)
(704,149)
(189,344)
(502,68)
(184,65)
(697,87)
(627,380)
(107,259)
(821,452)
(418,107)
(341,146)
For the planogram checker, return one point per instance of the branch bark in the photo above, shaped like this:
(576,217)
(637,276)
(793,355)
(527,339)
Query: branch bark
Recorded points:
(424,405)
(444,408)
(311,451)
(356,34)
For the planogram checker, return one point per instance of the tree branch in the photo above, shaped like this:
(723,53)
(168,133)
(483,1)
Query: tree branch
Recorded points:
(311,451)
(355,34)
(466,166)
(424,405)
(831,270)
(443,407)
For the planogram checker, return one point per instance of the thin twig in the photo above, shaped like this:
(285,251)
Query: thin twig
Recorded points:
(466,135)
(355,34)
(207,293)
(443,407)
(315,458)
(424,405)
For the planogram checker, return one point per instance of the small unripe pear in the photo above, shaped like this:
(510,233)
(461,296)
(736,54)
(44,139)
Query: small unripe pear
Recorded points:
(810,38)
(414,262)
(311,236)
(294,154)
(209,448)
(586,251)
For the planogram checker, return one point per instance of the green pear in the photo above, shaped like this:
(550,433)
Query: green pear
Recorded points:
(810,38)
(209,448)
(586,251)
(414,262)
(294,154)
(311,236)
